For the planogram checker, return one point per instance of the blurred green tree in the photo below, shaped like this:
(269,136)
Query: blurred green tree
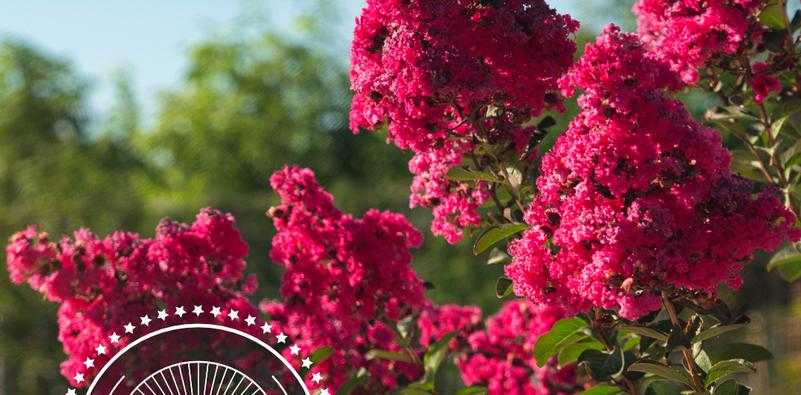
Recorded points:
(53,172)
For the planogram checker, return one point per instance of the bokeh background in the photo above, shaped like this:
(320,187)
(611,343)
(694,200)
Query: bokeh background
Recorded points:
(116,114)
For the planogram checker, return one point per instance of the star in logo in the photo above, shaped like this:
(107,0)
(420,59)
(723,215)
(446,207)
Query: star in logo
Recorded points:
(251,320)
(145,320)
(266,328)
(324,391)
(215,311)
(70,392)
(179,311)
(294,349)
(282,338)
(198,310)
(78,378)
(307,363)
(163,315)
(233,315)
(101,349)
(90,363)
(317,377)
(114,338)
(129,328)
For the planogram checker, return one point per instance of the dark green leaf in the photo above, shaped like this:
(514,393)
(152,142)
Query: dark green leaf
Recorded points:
(474,390)
(645,331)
(417,389)
(748,352)
(461,174)
(389,355)
(673,373)
(661,387)
(546,122)
(321,354)
(727,368)
(678,340)
(717,331)
(351,385)
(602,389)
(602,365)
(731,387)
(773,39)
(570,353)
(562,334)
(488,237)
(796,21)
(503,287)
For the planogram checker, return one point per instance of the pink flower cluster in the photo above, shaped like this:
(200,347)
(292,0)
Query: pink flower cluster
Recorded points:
(636,196)
(689,33)
(102,283)
(464,70)
(762,83)
(347,282)
(499,353)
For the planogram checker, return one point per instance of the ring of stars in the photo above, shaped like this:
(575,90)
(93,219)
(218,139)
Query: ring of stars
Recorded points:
(198,310)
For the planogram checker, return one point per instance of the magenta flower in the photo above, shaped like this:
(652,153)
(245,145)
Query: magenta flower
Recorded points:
(687,34)
(637,197)
(432,70)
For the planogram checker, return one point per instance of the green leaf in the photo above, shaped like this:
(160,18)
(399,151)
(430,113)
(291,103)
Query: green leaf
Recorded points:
(321,354)
(474,390)
(563,333)
(773,15)
(703,361)
(678,340)
(435,354)
(660,387)
(717,331)
(388,355)
(602,365)
(631,343)
(352,385)
(727,368)
(672,373)
(416,389)
(497,256)
(461,174)
(748,352)
(602,389)
(546,122)
(731,387)
(790,271)
(489,236)
(788,261)
(503,287)
(645,331)
(571,353)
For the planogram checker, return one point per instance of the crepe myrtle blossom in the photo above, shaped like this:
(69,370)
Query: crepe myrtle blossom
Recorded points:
(499,353)
(687,34)
(762,83)
(444,74)
(103,283)
(348,281)
(637,197)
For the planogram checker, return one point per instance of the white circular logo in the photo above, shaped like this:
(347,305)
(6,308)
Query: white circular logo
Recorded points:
(198,359)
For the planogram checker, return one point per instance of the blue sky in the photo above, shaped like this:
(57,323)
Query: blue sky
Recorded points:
(149,39)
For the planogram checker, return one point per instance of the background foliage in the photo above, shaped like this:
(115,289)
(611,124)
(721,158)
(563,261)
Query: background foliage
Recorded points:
(250,101)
